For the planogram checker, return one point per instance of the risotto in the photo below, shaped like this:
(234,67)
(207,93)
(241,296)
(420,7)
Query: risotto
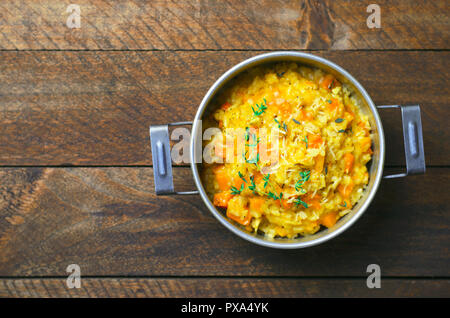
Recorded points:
(291,151)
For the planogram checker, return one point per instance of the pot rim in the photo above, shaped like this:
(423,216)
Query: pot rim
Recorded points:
(196,128)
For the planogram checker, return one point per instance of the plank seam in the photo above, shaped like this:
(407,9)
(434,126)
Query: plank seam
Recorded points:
(151,166)
(231,277)
(226,50)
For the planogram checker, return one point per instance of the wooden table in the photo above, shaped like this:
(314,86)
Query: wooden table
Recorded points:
(76,180)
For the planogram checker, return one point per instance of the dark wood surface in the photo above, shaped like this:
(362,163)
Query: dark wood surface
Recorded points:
(94,108)
(76,180)
(223,287)
(224,25)
(109,221)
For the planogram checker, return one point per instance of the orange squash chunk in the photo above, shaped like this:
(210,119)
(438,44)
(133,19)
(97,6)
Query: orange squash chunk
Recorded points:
(222,178)
(329,219)
(349,159)
(238,182)
(221,199)
(314,141)
(256,204)
(245,221)
(333,104)
(313,202)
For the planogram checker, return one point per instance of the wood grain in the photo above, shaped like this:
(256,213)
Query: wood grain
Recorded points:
(85,97)
(222,287)
(94,108)
(231,24)
(109,221)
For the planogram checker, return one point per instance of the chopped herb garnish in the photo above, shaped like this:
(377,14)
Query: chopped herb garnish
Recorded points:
(271,195)
(298,185)
(274,196)
(253,185)
(306,141)
(242,177)
(330,86)
(304,176)
(266,180)
(339,120)
(281,74)
(284,126)
(252,161)
(341,130)
(329,101)
(344,205)
(296,121)
(260,108)
(326,170)
(298,202)
(235,190)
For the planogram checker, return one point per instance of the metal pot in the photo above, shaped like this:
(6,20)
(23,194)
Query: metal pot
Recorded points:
(412,132)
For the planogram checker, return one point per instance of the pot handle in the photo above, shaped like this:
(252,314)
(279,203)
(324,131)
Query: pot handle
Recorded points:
(162,161)
(412,140)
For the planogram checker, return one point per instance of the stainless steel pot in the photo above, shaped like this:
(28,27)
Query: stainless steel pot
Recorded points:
(412,132)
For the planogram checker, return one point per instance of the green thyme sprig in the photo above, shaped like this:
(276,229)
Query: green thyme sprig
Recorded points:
(242,177)
(298,202)
(260,108)
(274,196)
(252,187)
(266,180)
(304,176)
(306,141)
(235,190)
(254,160)
(281,125)
(247,136)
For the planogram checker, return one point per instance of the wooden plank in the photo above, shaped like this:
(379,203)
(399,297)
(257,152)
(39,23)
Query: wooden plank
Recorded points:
(109,221)
(94,108)
(231,24)
(222,287)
